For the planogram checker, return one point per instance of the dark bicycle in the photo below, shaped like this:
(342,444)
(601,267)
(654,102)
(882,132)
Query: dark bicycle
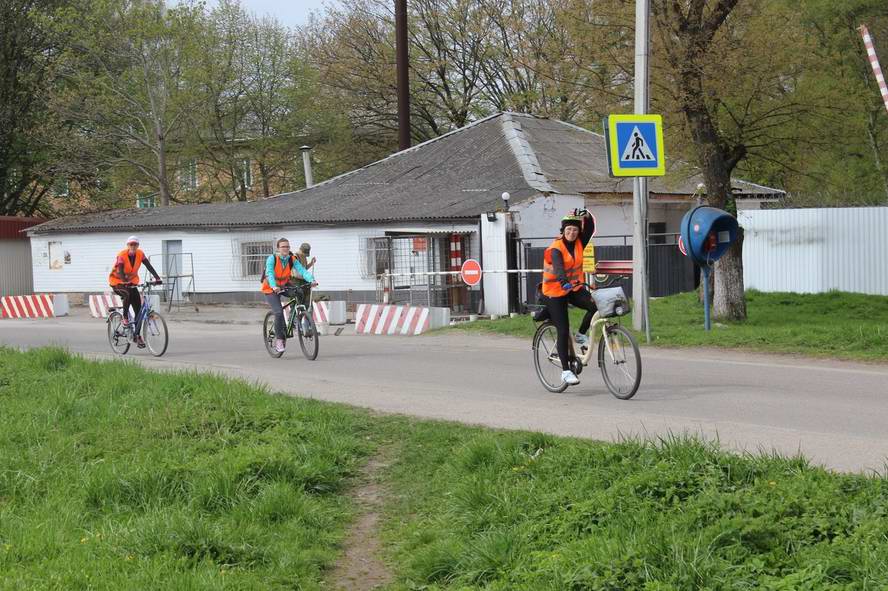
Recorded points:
(298,319)
(153,327)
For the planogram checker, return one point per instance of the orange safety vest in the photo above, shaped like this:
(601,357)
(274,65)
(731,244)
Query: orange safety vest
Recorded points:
(281,274)
(130,270)
(573,268)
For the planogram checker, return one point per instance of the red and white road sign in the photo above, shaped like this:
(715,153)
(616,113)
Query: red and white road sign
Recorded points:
(471,272)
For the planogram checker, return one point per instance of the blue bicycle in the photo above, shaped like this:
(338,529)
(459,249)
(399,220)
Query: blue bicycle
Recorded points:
(153,327)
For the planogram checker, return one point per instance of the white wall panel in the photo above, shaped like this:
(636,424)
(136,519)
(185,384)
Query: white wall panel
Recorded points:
(816,250)
(215,254)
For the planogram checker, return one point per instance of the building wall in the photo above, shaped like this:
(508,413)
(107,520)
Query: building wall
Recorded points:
(496,285)
(15,268)
(816,250)
(217,266)
(540,218)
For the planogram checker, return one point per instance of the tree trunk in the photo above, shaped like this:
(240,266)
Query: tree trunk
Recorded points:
(729,299)
(163,188)
(874,145)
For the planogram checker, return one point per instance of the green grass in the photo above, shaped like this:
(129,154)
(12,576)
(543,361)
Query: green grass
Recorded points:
(834,324)
(113,477)
(529,512)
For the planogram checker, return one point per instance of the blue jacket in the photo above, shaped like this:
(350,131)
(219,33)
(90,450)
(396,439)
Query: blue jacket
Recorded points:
(269,269)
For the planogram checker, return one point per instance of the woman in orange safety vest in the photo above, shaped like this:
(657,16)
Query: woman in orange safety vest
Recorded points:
(562,279)
(124,280)
(278,270)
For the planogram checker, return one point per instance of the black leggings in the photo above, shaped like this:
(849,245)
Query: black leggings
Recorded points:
(558,313)
(129,294)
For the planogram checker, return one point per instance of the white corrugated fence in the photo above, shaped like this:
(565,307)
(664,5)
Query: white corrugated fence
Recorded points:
(816,250)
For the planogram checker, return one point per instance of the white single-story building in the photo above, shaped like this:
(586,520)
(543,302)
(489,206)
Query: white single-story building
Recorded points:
(426,208)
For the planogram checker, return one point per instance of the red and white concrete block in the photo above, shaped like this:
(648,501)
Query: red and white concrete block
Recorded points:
(100,304)
(41,305)
(374,319)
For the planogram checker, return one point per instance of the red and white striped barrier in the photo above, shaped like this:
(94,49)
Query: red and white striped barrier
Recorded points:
(874,62)
(391,320)
(99,304)
(27,306)
(321,313)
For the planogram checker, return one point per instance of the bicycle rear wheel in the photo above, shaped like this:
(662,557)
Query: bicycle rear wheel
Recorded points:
(545,358)
(269,337)
(154,333)
(117,336)
(308,336)
(620,362)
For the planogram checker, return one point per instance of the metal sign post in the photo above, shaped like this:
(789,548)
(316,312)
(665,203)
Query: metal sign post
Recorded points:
(640,186)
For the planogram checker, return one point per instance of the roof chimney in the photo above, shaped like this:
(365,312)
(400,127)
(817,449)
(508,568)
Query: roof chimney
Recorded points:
(306,163)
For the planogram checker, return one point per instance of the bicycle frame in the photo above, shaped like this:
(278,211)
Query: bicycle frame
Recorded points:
(296,308)
(597,322)
(144,291)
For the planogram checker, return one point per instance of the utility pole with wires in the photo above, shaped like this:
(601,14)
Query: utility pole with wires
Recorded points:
(403,74)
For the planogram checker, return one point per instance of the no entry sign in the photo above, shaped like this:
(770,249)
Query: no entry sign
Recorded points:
(471,272)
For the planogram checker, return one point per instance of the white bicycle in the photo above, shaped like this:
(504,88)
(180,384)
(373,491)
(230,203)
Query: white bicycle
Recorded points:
(617,352)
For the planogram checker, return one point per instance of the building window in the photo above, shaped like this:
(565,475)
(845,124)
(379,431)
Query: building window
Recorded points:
(657,233)
(253,256)
(146,201)
(245,173)
(188,175)
(376,257)
(61,187)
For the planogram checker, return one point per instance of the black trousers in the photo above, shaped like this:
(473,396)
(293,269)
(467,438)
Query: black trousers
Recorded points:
(274,300)
(129,295)
(558,313)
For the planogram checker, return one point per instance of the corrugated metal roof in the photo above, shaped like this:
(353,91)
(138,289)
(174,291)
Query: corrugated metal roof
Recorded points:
(457,176)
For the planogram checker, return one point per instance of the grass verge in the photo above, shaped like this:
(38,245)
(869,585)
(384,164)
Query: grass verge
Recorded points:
(529,512)
(834,324)
(112,477)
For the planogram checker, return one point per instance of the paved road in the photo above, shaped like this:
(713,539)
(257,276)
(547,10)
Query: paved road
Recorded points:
(835,413)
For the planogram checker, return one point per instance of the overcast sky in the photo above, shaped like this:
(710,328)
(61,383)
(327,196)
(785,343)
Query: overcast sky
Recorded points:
(290,12)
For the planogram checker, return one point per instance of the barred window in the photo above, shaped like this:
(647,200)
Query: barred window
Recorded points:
(253,256)
(376,256)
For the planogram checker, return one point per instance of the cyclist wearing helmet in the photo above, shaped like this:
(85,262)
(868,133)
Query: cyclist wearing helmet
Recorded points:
(124,280)
(562,279)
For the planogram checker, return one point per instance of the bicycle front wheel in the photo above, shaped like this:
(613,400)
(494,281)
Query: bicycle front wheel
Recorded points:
(620,362)
(154,333)
(308,336)
(117,336)
(545,358)
(269,337)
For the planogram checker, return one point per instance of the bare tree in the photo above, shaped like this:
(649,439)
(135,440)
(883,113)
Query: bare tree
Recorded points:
(131,68)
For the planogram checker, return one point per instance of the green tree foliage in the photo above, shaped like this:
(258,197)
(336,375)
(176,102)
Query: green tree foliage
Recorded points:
(29,129)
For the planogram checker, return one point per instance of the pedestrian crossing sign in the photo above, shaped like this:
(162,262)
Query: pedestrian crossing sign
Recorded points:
(635,145)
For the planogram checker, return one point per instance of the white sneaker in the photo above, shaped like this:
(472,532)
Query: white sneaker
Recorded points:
(279,345)
(569,378)
(581,339)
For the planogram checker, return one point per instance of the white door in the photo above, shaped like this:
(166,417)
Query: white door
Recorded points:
(172,266)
